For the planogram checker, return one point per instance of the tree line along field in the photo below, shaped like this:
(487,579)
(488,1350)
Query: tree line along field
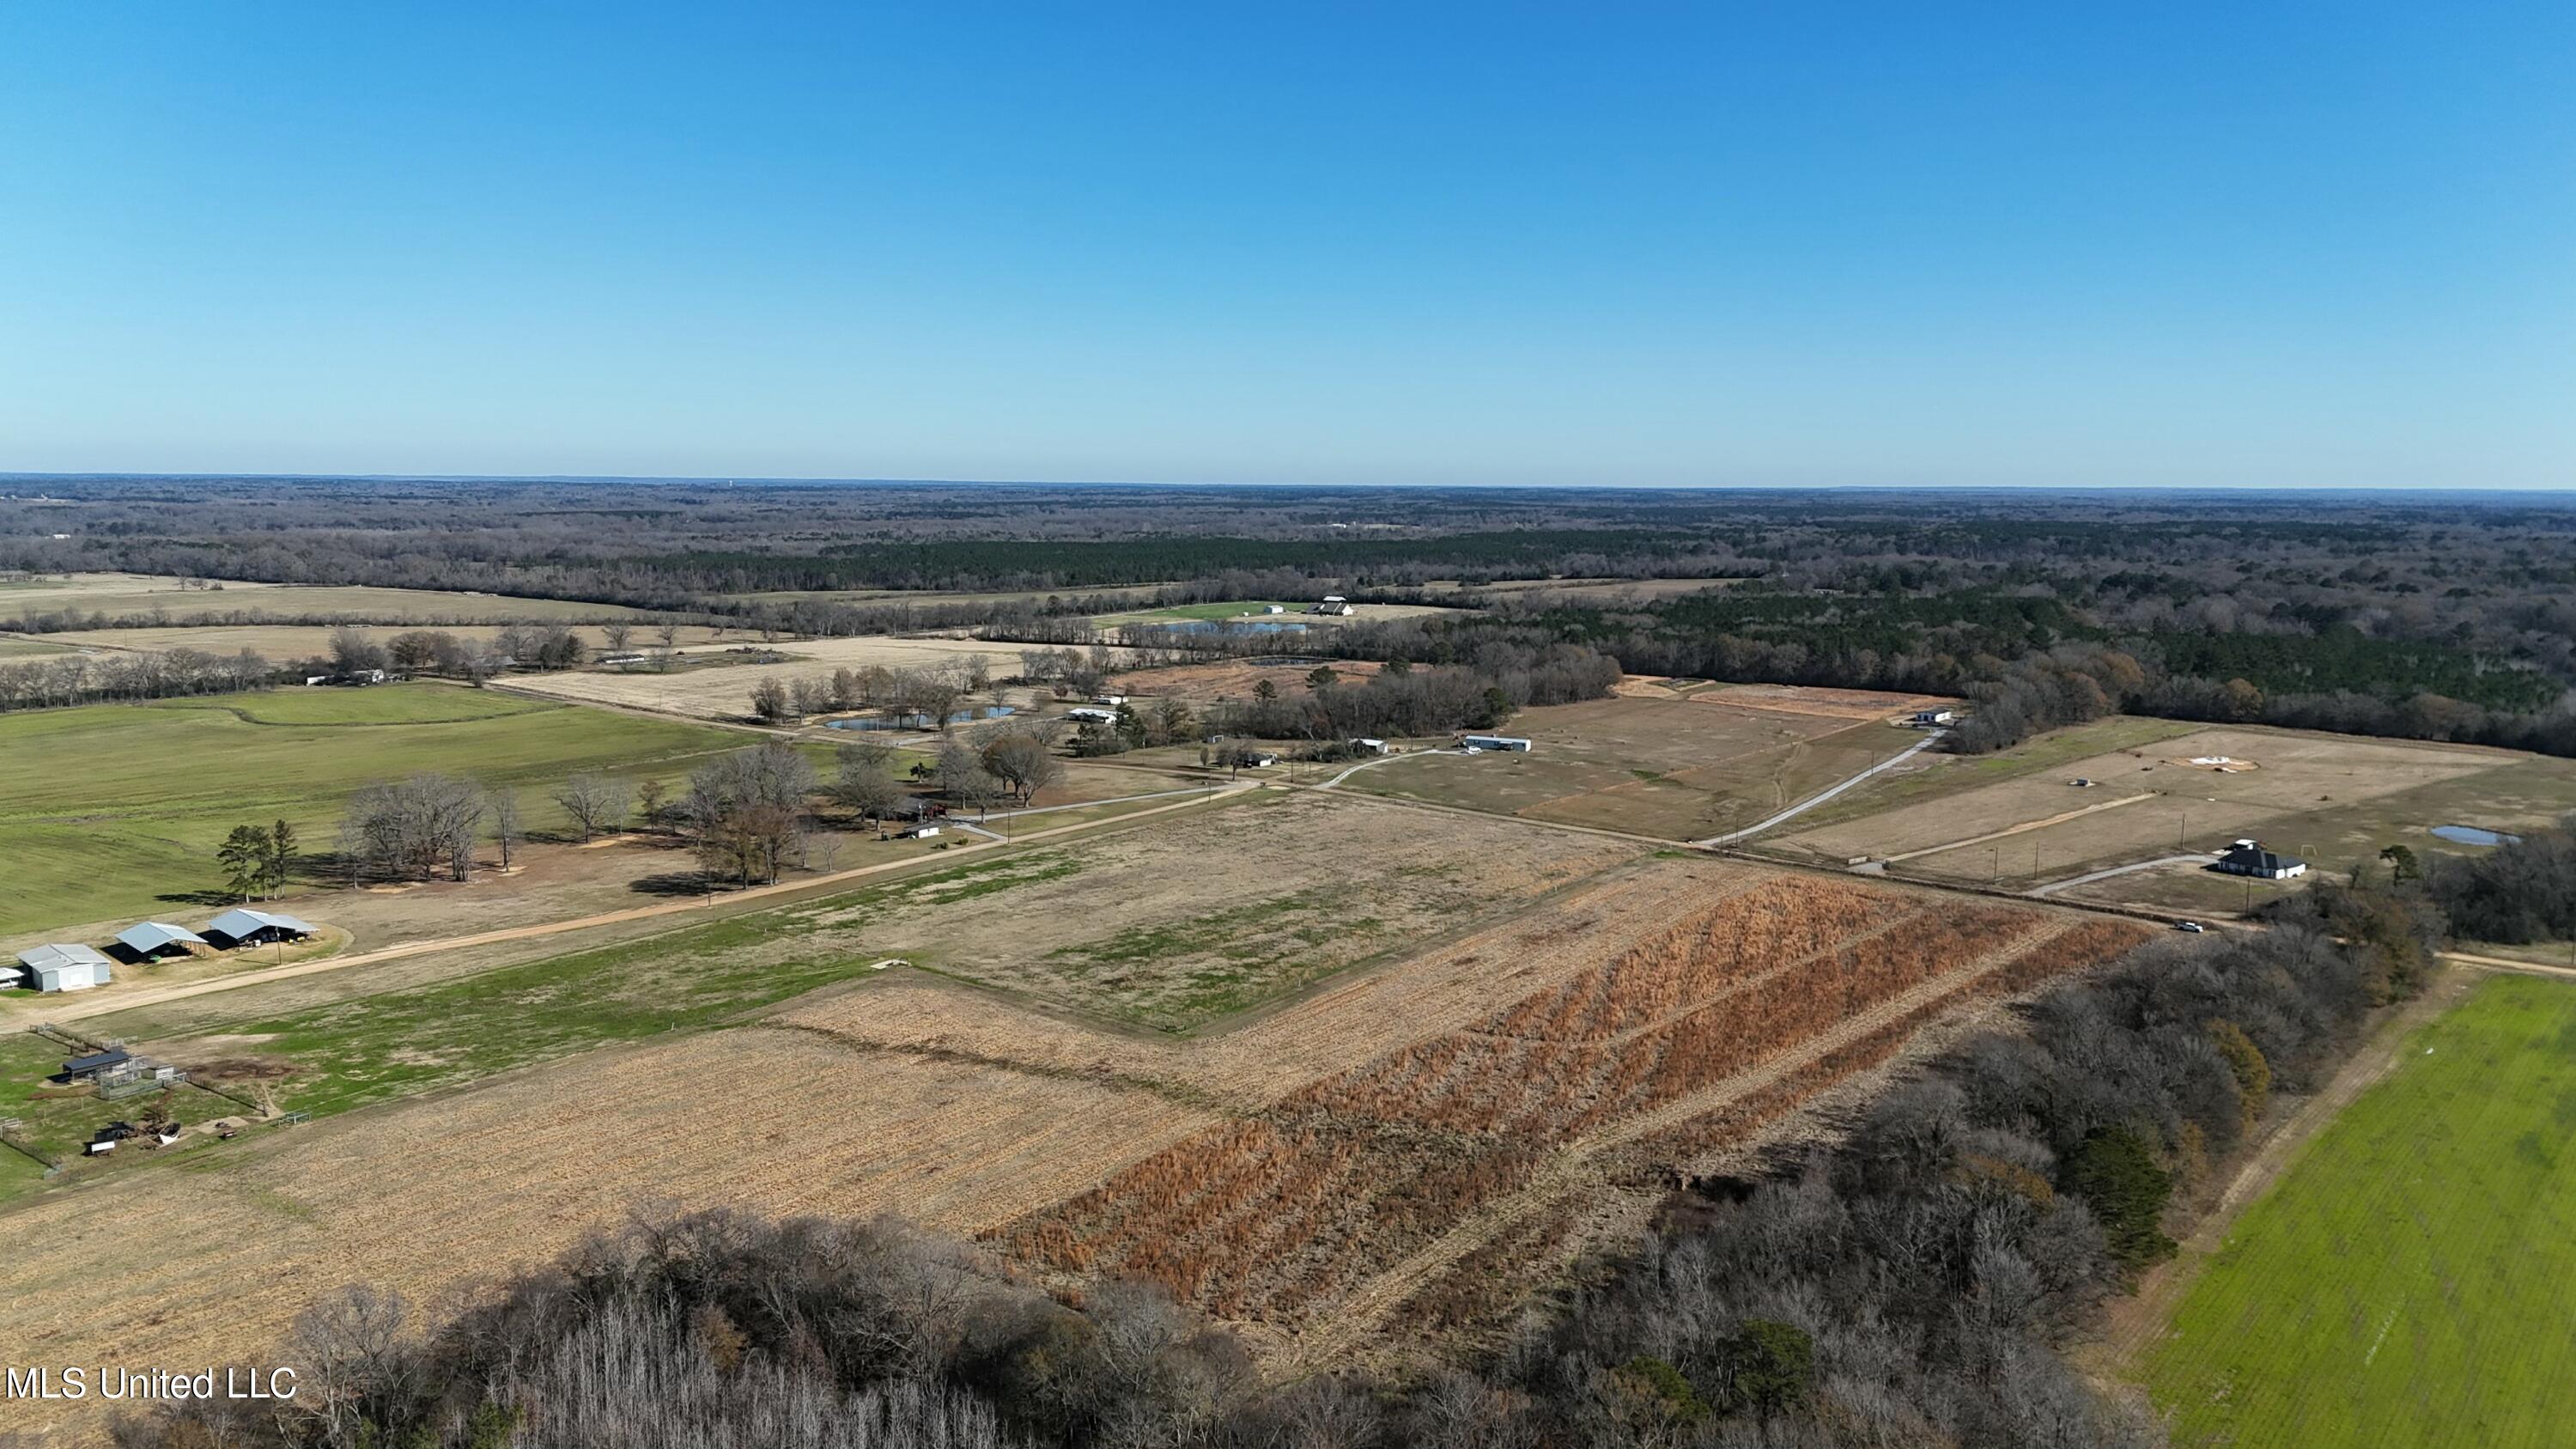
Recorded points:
(283,644)
(2405,1282)
(133,596)
(115,810)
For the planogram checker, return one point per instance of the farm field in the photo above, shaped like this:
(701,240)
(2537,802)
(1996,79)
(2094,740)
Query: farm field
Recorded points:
(725,693)
(16,647)
(2150,799)
(281,643)
(2403,1284)
(1678,768)
(1167,928)
(1230,679)
(115,809)
(121,596)
(1686,1007)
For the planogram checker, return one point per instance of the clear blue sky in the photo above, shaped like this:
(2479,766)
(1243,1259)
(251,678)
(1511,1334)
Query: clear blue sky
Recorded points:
(2078,243)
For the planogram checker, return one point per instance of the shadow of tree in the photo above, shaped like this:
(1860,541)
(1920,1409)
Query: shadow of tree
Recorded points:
(674,883)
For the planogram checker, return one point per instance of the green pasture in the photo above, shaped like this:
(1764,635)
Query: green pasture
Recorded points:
(2407,1283)
(115,809)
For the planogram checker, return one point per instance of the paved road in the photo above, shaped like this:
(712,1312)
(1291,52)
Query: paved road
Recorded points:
(2053,887)
(1812,801)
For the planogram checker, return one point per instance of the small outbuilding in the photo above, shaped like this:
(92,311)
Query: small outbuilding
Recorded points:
(151,938)
(243,926)
(63,967)
(2248,858)
(1369,746)
(96,1064)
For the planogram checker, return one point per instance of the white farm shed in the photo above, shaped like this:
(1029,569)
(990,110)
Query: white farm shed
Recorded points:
(64,967)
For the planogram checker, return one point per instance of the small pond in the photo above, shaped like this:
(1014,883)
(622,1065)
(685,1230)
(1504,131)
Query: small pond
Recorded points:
(2474,835)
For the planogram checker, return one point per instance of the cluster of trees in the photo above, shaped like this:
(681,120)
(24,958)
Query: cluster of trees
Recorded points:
(92,679)
(1499,678)
(2521,892)
(415,829)
(1908,1285)
(932,691)
(257,859)
(749,812)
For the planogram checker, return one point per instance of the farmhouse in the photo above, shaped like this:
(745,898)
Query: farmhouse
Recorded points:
(151,938)
(2248,858)
(1332,604)
(1369,746)
(1925,719)
(1511,744)
(1082,714)
(244,927)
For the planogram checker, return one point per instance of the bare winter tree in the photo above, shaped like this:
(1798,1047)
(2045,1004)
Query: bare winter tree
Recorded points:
(502,805)
(595,802)
(616,634)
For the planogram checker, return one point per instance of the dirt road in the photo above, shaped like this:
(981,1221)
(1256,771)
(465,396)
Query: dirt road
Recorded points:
(58,1009)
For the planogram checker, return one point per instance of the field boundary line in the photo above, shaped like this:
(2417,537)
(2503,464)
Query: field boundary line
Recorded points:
(1829,792)
(2027,825)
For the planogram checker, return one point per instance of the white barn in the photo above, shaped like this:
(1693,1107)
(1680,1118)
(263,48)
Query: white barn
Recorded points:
(62,967)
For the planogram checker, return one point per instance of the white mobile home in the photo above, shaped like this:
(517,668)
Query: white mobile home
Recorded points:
(1508,744)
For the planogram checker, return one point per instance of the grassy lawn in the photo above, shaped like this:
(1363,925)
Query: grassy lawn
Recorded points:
(2406,1282)
(115,810)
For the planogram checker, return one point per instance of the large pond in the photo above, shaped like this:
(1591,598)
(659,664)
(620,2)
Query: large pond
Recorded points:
(2474,835)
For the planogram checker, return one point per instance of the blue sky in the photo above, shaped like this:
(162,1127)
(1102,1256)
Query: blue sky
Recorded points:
(2117,244)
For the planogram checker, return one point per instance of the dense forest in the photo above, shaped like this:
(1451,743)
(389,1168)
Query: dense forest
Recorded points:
(1908,1285)
(2442,617)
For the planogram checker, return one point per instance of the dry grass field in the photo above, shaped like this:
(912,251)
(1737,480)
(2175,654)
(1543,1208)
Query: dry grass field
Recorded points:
(1674,767)
(124,596)
(280,643)
(2149,800)
(724,693)
(1410,1146)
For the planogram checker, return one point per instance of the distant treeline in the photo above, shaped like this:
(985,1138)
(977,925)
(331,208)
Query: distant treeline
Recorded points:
(2033,664)
(1106,563)
(1912,1285)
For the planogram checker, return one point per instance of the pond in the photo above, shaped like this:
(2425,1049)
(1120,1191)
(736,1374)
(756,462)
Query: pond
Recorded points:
(2475,835)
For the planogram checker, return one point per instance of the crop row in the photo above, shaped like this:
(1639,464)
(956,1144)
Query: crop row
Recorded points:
(1772,925)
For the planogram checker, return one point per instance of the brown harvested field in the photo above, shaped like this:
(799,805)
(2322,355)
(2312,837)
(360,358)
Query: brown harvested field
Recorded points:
(1413,1145)
(1971,834)
(1387,1183)
(1677,768)
(1229,678)
(283,642)
(121,596)
(1180,925)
